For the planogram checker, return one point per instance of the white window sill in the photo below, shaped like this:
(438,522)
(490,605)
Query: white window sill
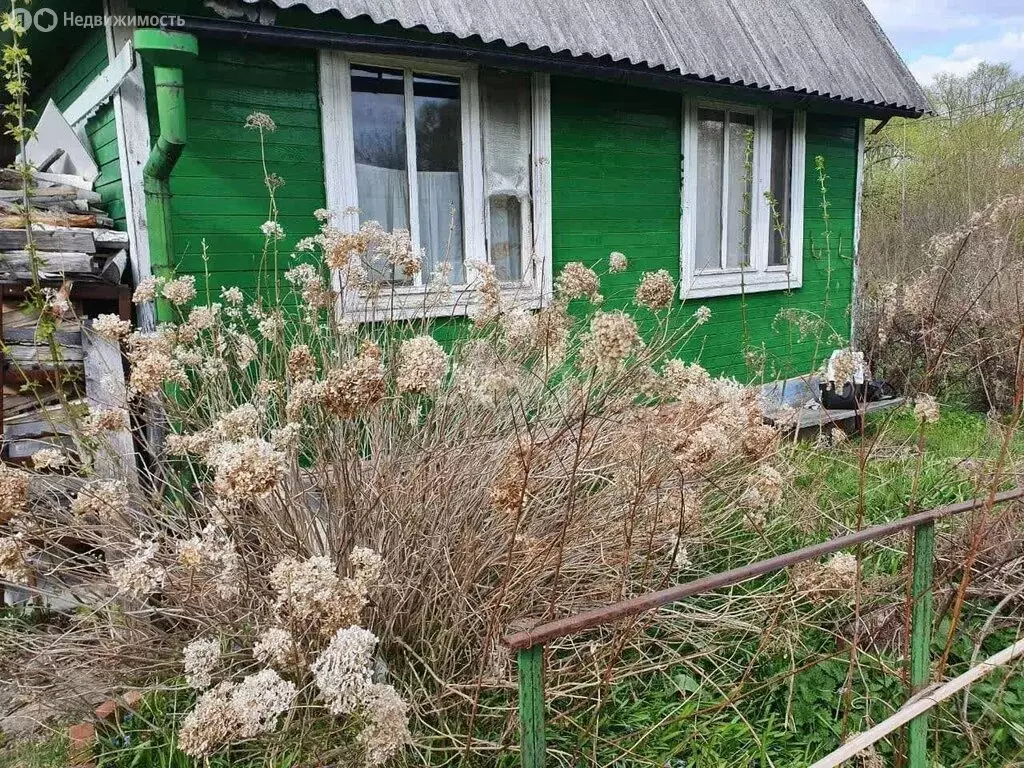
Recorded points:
(734,283)
(404,303)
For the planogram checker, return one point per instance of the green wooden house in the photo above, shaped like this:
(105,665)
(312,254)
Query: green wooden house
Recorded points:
(721,140)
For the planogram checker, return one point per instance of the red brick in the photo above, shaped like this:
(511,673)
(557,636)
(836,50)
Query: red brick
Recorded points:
(106,710)
(80,750)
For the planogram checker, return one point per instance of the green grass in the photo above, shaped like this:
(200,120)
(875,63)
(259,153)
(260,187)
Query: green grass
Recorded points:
(781,718)
(47,752)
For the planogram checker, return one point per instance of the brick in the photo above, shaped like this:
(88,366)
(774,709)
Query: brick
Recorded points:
(82,738)
(106,710)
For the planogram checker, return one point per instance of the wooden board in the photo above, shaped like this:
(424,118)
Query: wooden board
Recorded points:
(105,388)
(79,241)
(41,356)
(53,218)
(49,262)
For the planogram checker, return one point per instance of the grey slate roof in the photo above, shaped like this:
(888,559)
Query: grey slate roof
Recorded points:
(831,48)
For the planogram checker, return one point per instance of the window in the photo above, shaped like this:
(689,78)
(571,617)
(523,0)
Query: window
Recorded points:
(742,216)
(456,155)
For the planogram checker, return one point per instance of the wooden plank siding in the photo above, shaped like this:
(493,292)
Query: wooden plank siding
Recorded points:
(616,171)
(616,168)
(218,190)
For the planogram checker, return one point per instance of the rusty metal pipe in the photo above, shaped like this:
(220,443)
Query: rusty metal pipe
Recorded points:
(608,614)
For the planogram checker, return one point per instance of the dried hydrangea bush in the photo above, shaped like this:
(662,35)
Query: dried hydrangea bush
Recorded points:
(335,524)
(954,325)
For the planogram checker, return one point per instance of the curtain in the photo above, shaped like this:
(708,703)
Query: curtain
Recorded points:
(440,194)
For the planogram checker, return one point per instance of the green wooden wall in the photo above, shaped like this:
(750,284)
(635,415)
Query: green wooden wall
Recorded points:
(616,159)
(616,186)
(88,60)
(218,192)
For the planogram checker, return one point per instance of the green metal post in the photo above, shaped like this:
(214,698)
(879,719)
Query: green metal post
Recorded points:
(921,636)
(531,706)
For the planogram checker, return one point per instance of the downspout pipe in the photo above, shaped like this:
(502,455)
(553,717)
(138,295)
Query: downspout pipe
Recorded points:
(167,53)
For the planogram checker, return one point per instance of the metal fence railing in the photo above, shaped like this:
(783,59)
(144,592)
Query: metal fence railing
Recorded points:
(530,643)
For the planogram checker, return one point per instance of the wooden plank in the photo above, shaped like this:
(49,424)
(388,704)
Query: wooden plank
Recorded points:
(55,219)
(78,241)
(27,335)
(66,179)
(108,239)
(101,88)
(16,404)
(35,428)
(114,267)
(24,449)
(105,388)
(928,699)
(49,262)
(50,194)
(40,355)
(132,147)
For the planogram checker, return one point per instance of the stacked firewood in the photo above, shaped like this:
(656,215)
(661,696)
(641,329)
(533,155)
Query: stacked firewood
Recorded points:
(73,237)
(79,261)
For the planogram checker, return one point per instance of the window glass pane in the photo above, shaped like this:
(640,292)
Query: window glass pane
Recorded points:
(439,171)
(781,175)
(739,199)
(710,142)
(378,121)
(506,236)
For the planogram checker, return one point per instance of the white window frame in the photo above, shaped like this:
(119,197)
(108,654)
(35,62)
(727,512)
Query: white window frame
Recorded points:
(405,301)
(758,275)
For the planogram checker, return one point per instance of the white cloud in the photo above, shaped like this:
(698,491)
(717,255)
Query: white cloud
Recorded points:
(923,15)
(964,57)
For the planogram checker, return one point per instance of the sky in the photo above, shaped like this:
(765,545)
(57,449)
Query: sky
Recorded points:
(954,36)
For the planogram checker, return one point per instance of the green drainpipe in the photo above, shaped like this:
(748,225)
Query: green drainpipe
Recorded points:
(167,53)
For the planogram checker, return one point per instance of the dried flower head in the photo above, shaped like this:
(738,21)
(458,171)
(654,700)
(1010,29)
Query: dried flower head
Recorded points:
(49,458)
(301,364)
(13,566)
(656,290)
(617,262)
(180,290)
(57,301)
(200,659)
(422,365)
(275,647)
(105,420)
(246,470)
(101,500)
(260,121)
(272,230)
(613,338)
(577,281)
(351,391)
(387,727)
(139,574)
(111,327)
(926,409)
(146,290)
(344,670)
(13,492)
(232,295)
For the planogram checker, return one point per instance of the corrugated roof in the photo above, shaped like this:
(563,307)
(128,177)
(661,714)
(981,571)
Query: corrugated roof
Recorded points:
(831,48)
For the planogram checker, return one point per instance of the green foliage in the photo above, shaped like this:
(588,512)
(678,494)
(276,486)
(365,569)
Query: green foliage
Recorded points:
(927,176)
(50,752)
(146,738)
